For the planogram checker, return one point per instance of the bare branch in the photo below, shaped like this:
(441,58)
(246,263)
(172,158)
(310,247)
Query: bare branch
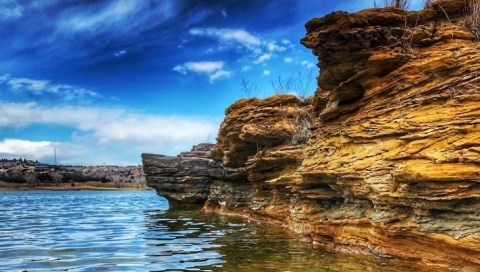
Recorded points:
(403,4)
(281,86)
(249,88)
(303,83)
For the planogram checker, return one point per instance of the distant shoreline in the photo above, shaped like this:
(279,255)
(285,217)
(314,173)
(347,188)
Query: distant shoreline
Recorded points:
(79,186)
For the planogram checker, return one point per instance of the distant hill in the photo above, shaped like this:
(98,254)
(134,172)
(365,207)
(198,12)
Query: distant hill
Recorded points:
(37,173)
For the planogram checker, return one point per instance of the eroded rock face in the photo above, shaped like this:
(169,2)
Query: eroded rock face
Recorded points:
(253,124)
(396,138)
(185,179)
(392,164)
(189,179)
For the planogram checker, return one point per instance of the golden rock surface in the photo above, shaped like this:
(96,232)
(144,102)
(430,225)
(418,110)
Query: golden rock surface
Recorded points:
(392,164)
(385,158)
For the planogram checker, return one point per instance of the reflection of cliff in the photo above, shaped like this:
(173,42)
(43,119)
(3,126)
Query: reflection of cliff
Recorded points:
(392,164)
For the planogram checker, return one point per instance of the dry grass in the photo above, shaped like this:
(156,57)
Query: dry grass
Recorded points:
(473,18)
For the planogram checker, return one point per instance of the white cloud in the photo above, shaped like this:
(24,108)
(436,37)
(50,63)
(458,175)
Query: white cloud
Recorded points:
(288,60)
(109,129)
(36,86)
(263,58)
(229,35)
(273,47)
(213,69)
(106,124)
(181,69)
(204,66)
(39,150)
(220,74)
(15,146)
(307,64)
(10,9)
(266,72)
(260,49)
(39,87)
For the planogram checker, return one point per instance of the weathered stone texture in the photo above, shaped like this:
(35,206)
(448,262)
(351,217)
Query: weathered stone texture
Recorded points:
(394,147)
(184,180)
(392,163)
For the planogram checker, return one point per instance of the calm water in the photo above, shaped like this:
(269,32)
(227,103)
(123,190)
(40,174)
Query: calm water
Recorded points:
(133,231)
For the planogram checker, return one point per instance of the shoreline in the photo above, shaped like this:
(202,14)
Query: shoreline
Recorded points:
(83,186)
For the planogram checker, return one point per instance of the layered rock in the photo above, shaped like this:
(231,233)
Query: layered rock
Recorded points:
(392,163)
(190,178)
(396,140)
(185,178)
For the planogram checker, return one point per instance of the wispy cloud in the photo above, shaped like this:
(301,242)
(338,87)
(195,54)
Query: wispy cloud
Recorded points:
(107,16)
(229,35)
(261,50)
(288,60)
(100,25)
(307,64)
(263,58)
(273,47)
(45,87)
(10,9)
(224,13)
(246,68)
(213,69)
(106,124)
(120,53)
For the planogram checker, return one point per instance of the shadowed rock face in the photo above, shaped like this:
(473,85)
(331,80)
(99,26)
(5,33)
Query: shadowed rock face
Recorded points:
(392,163)
(185,179)
(190,178)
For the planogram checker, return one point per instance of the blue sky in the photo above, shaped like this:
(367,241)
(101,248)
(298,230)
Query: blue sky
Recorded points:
(104,81)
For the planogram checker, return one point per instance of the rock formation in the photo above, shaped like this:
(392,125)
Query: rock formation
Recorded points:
(392,162)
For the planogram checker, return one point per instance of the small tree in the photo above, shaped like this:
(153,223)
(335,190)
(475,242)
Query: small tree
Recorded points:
(31,178)
(118,181)
(140,181)
(56,178)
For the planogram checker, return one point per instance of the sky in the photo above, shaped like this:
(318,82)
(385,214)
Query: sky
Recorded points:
(103,81)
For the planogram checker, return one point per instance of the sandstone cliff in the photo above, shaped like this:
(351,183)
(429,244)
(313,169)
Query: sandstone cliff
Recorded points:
(392,162)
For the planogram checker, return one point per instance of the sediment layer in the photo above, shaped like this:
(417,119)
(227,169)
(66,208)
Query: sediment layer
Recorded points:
(384,159)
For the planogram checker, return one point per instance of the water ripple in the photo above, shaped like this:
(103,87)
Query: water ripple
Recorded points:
(133,231)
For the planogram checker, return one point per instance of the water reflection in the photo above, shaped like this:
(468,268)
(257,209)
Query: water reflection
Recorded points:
(212,242)
(177,242)
(134,231)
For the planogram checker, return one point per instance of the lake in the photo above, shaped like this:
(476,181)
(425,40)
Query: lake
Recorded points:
(135,231)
